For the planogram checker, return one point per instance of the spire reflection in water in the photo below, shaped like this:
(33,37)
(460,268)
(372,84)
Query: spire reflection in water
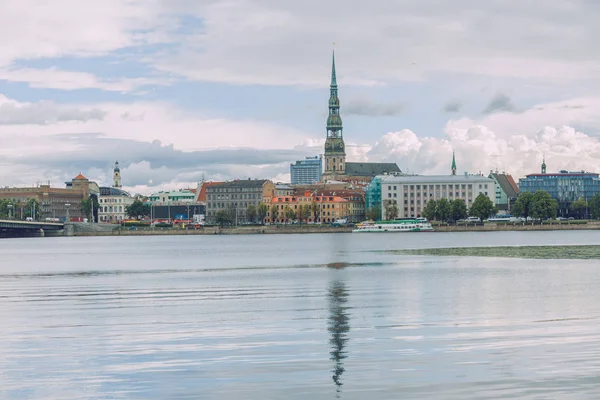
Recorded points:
(338,327)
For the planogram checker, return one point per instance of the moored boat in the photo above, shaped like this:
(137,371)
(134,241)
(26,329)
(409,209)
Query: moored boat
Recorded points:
(397,225)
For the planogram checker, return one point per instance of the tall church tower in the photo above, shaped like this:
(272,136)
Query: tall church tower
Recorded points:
(453,164)
(544,165)
(117,175)
(335,152)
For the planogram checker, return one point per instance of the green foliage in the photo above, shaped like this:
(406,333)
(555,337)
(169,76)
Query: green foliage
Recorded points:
(88,205)
(594,205)
(443,210)
(163,225)
(223,218)
(138,210)
(289,213)
(391,209)
(522,207)
(458,209)
(263,209)
(482,207)
(304,212)
(137,223)
(579,207)
(374,213)
(251,213)
(543,206)
(429,211)
(274,212)
(316,210)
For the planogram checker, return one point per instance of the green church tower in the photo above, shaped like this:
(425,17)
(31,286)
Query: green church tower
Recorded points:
(453,164)
(335,152)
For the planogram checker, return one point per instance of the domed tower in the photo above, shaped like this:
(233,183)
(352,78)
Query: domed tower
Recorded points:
(117,176)
(335,151)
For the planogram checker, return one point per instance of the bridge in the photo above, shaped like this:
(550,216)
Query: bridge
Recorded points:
(15,228)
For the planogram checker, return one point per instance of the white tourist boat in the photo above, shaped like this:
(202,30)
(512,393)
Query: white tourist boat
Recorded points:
(397,225)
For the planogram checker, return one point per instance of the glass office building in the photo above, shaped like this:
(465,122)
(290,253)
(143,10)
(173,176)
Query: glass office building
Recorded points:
(564,186)
(306,172)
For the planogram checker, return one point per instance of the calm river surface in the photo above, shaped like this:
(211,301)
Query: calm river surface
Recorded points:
(296,317)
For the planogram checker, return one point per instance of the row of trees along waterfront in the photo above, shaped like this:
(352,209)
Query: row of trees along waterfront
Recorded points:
(254,214)
(538,205)
(20,209)
(454,210)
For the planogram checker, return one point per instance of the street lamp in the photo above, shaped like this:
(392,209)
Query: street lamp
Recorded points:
(10,207)
(67,218)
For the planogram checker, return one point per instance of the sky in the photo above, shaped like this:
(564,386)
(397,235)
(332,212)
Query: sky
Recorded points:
(183,90)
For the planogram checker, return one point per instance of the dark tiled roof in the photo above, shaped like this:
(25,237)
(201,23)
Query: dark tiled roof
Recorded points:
(111,191)
(370,169)
(249,183)
(505,185)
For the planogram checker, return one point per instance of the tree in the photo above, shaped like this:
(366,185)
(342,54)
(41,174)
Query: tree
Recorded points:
(443,210)
(251,213)
(522,207)
(374,213)
(429,210)
(304,212)
(594,205)
(274,213)
(289,213)
(458,209)
(316,210)
(482,207)
(90,205)
(32,209)
(138,210)
(263,209)
(223,218)
(391,209)
(543,206)
(579,207)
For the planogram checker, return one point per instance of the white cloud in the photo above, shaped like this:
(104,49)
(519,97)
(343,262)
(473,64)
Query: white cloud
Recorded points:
(42,113)
(54,78)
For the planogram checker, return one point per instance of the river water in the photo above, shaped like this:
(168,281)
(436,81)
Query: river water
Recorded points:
(296,317)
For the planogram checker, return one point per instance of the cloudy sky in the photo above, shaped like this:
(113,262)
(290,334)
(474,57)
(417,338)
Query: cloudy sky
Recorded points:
(177,90)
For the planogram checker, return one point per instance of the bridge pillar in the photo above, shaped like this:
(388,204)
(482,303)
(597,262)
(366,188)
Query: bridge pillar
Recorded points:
(42,233)
(68,230)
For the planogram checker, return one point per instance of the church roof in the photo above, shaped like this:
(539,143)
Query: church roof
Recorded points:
(370,169)
(80,177)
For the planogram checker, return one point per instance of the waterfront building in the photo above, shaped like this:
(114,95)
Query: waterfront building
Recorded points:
(306,171)
(355,198)
(176,210)
(183,195)
(112,205)
(283,189)
(563,186)
(507,190)
(411,193)
(234,197)
(323,208)
(53,202)
(373,194)
(336,167)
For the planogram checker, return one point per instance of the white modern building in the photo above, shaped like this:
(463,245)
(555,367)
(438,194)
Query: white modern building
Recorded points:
(411,193)
(173,196)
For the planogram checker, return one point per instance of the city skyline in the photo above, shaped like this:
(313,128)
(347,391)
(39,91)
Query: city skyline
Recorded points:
(225,90)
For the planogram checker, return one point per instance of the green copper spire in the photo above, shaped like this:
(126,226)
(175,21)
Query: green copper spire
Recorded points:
(334,121)
(453,164)
(333,77)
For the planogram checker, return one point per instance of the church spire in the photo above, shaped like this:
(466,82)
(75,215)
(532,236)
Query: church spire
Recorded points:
(117,175)
(453,164)
(333,77)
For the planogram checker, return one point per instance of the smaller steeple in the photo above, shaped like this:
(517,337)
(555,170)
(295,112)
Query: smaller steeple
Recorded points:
(453,164)
(544,164)
(117,175)
(333,76)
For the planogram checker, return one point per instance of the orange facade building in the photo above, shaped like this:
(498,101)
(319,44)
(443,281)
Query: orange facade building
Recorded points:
(306,208)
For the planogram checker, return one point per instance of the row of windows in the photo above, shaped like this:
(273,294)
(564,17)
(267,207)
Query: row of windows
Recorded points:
(252,196)
(104,200)
(111,209)
(233,190)
(438,186)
